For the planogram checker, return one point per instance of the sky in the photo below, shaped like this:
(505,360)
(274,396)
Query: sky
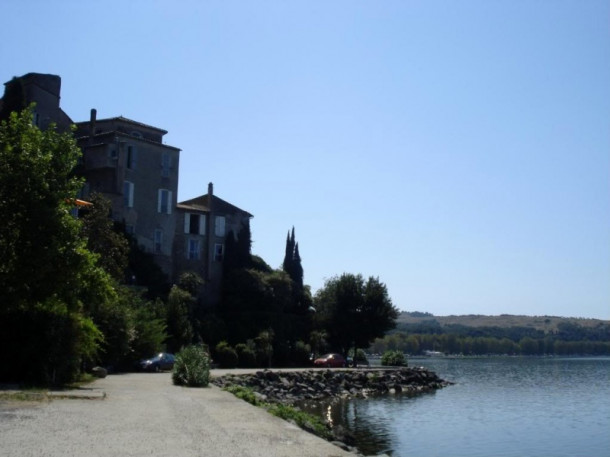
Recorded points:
(458,151)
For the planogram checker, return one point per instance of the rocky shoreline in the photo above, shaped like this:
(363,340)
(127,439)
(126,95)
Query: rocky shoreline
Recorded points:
(290,387)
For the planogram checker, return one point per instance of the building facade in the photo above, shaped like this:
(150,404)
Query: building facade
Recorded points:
(202,227)
(128,163)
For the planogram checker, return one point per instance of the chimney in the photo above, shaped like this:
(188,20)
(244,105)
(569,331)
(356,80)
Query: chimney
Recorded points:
(92,122)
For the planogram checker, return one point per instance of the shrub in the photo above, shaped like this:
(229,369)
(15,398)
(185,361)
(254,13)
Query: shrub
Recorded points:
(393,359)
(192,367)
(226,355)
(246,355)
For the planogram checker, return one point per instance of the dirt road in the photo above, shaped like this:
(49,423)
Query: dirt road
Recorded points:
(145,415)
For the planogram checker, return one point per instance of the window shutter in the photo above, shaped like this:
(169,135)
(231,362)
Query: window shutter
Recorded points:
(159,199)
(187,222)
(202,224)
(169,202)
(131,187)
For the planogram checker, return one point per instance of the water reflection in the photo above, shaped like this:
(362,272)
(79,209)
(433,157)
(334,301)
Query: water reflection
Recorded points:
(369,420)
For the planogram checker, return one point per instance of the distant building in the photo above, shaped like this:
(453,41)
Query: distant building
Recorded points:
(202,227)
(44,90)
(129,164)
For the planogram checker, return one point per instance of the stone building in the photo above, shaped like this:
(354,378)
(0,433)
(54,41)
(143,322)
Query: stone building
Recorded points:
(129,164)
(44,90)
(202,227)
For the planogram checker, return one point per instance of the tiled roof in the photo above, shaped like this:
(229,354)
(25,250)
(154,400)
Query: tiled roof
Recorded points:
(201,203)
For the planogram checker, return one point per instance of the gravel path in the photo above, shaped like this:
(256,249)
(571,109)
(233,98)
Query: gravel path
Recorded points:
(145,415)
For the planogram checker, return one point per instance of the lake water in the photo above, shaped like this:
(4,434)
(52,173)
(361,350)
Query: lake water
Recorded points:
(503,406)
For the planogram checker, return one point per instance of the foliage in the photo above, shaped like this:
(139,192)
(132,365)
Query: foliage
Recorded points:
(393,359)
(354,312)
(467,345)
(179,318)
(246,355)
(190,282)
(237,249)
(264,347)
(102,237)
(143,271)
(244,393)
(302,352)
(133,329)
(304,420)
(49,281)
(225,355)
(292,261)
(192,367)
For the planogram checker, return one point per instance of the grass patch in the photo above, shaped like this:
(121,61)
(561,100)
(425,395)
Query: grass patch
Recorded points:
(306,421)
(25,395)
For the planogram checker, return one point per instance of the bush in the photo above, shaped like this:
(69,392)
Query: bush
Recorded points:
(226,355)
(393,359)
(192,367)
(246,355)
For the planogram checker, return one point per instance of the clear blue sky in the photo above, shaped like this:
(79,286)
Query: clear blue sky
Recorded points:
(458,150)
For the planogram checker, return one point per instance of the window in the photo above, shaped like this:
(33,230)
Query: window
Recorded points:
(220,226)
(130,229)
(194,224)
(166,163)
(193,250)
(164,202)
(131,157)
(158,240)
(219,250)
(128,194)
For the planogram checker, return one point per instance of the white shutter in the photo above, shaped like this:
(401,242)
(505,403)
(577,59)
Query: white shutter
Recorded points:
(187,222)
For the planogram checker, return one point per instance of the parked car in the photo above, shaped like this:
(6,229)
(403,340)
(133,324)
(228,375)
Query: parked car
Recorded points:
(162,361)
(331,361)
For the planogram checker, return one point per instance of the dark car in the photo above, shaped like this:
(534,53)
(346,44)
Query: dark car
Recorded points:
(330,361)
(162,361)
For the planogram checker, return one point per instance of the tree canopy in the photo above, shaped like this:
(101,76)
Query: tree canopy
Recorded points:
(354,312)
(49,281)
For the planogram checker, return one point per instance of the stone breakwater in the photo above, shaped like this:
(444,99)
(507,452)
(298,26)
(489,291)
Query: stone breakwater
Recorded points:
(290,387)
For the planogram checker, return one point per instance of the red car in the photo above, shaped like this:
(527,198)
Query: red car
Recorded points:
(330,361)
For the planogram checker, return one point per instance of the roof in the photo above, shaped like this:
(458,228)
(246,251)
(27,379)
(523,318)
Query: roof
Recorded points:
(126,120)
(201,203)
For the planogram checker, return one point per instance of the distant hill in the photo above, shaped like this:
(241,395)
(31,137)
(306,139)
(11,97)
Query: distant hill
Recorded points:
(544,323)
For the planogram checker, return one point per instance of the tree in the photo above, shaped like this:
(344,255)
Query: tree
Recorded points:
(49,281)
(354,312)
(102,238)
(292,261)
(179,312)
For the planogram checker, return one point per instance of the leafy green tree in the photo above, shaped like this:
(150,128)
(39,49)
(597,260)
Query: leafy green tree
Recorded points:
(354,312)
(179,312)
(103,239)
(49,280)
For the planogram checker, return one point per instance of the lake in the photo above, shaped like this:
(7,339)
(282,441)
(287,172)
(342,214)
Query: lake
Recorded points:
(500,406)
